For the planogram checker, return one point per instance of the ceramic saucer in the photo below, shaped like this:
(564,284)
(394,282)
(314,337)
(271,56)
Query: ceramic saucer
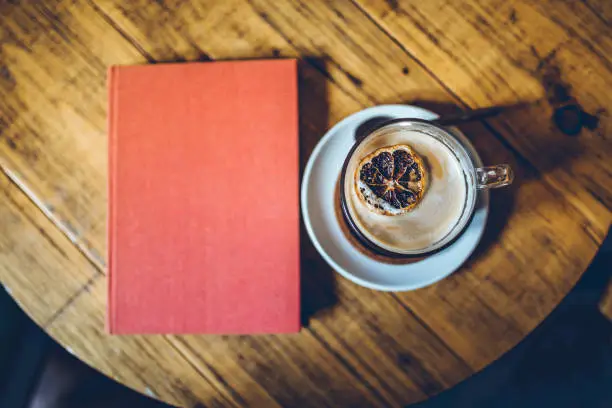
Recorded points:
(318,209)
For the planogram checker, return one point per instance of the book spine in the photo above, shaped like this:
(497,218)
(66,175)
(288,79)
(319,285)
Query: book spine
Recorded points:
(113,77)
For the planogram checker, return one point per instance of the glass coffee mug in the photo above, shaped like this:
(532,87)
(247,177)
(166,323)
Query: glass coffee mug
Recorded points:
(448,200)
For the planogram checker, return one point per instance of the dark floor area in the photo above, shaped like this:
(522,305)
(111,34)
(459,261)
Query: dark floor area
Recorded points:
(565,362)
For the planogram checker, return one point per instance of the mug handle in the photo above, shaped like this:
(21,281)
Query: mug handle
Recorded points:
(494,176)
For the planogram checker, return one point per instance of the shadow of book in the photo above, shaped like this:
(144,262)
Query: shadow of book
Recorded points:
(318,285)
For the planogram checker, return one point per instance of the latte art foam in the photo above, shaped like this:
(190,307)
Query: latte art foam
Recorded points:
(437,213)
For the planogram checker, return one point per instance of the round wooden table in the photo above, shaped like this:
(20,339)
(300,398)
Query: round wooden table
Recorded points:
(360,347)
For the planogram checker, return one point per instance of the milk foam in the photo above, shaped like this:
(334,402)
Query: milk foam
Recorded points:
(369,195)
(431,220)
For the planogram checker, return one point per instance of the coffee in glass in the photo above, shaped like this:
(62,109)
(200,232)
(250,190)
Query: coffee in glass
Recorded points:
(409,188)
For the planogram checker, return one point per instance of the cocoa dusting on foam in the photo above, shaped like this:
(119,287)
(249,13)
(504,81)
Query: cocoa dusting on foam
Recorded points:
(391,180)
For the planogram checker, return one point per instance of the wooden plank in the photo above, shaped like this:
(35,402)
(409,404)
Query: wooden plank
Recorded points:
(52,128)
(490,52)
(388,344)
(602,8)
(294,370)
(387,357)
(39,265)
(147,364)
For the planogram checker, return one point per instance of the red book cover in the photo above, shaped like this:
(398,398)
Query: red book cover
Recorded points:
(203,222)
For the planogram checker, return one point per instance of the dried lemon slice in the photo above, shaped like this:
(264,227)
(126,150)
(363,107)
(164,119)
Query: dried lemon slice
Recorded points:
(391,180)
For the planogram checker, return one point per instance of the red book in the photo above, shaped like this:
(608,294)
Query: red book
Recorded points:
(203,224)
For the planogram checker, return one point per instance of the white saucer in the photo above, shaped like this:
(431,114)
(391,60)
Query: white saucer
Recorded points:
(318,210)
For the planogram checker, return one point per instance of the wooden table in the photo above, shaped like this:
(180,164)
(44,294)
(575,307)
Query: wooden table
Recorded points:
(360,347)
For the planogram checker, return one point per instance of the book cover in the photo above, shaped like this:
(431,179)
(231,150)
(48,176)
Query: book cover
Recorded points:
(203,221)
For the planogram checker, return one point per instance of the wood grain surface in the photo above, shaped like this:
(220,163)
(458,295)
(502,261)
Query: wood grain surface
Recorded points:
(359,347)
